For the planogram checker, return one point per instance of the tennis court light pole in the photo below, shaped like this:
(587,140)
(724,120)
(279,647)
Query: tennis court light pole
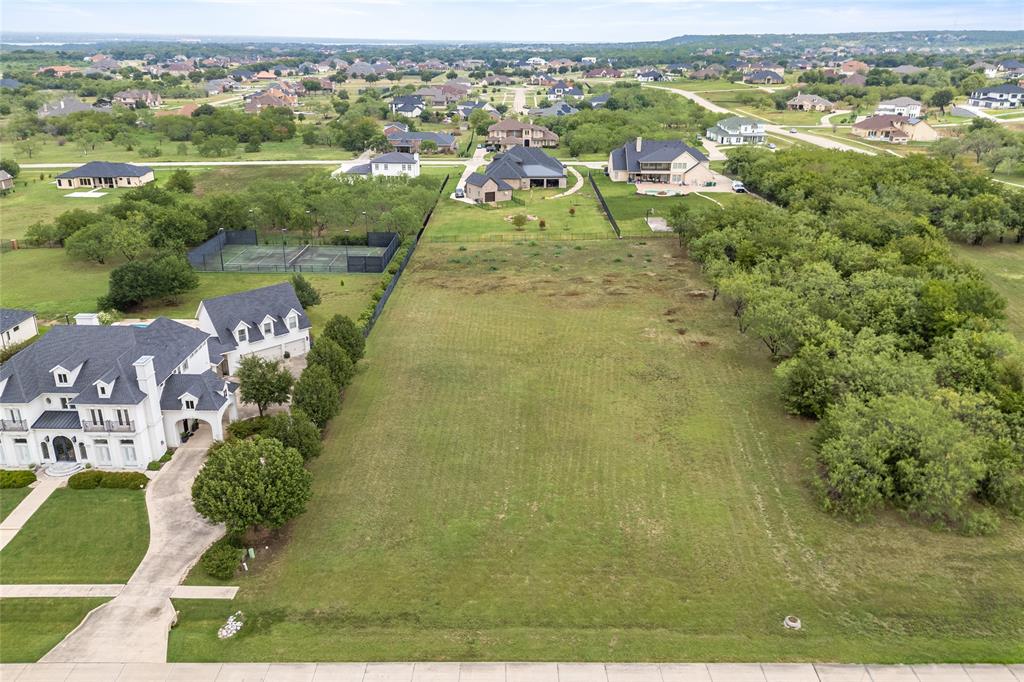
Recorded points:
(284,260)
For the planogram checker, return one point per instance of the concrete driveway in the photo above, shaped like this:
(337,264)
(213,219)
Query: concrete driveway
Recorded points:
(472,165)
(133,627)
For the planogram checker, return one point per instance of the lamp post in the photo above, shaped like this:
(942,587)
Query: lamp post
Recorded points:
(347,230)
(284,260)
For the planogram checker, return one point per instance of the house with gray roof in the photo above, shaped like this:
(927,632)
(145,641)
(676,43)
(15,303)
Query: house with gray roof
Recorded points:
(517,168)
(659,161)
(392,164)
(104,174)
(557,109)
(268,322)
(737,130)
(900,106)
(1008,96)
(411,142)
(63,106)
(16,326)
(764,77)
(109,396)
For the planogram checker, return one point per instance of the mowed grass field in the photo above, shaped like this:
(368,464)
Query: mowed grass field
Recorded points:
(1003,267)
(455,221)
(566,451)
(79,536)
(31,627)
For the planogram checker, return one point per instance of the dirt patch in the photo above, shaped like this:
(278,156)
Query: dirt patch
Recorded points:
(698,293)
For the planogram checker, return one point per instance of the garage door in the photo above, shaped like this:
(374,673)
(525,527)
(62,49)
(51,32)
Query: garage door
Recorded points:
(274,353)
(296,347)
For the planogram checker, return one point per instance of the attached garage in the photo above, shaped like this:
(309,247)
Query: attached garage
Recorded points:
(294,348)
(272,353)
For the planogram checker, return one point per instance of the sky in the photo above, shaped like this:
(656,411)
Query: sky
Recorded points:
(506,20)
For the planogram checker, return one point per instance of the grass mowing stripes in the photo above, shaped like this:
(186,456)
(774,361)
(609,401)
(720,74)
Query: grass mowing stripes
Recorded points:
(567,452)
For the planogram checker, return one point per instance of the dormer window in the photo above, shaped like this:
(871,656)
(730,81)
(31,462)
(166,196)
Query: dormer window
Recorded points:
(242,334)
(189,404)
(62,379)
(293,322)
(102,390)
(268,328)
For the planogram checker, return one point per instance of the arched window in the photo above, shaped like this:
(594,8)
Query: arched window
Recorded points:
(46,450)
(81,450)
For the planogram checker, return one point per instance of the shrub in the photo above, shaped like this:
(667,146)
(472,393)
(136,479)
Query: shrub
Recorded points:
(247,427)
(93,478)
(332,357)
(18,478)
(221,560)
(316,395)
(344,332)
(85,480)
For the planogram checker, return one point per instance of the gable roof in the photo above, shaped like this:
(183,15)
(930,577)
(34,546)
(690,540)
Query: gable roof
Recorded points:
(900,102)
(105,353)
(628,158)
(106,169)
(207,388)
(1005,89)
(524,162)
(480,179)
(12,316)
(442,139)
(395,157)
(252,307)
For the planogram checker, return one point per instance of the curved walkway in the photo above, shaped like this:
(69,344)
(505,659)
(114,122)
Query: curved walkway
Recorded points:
(575,188)
(513,672)
(133,626)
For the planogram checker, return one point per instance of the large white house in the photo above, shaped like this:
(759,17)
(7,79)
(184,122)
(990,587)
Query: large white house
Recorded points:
(390,165)
(119,396)
(113,397)
(1007,96)
(268,322)
(737,130)
(16,326)
(900,106)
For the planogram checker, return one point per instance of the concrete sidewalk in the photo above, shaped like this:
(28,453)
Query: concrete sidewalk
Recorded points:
(41,491)
(504,672)
(112,590)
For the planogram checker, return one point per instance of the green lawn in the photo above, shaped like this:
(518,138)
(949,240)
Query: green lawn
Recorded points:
(1003,267)
(631,209)
(11,498)
(31,627)
(234,178)
(28,276)
(458,221)
(734,100)
(80,536)
(566,451)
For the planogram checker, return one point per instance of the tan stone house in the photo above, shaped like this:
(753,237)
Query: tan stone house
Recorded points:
(518,168)
(660,161)
(804,102)
(135,98)
(510,133)
(895,129)
(105,175)
(484,189)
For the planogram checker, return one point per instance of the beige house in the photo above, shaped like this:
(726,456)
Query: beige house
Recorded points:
(136,98)
(102,174)
(484,189)
(510,132)
(660,161)
(895,129)
(804,102)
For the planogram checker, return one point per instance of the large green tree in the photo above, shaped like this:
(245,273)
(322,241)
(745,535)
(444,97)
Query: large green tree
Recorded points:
(263,382)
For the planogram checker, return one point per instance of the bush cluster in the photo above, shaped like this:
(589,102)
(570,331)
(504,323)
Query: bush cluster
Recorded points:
(222,559)
(16,478)
(880,332)
(94,478)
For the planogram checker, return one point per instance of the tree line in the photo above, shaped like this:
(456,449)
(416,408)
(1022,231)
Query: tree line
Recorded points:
(880,333)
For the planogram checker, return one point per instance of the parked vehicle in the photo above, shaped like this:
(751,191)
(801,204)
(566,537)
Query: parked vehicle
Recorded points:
(460,193)
(771,145)
(792,131)
(737,186)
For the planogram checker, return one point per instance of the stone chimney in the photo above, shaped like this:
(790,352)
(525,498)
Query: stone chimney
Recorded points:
(639,144)
(87,320)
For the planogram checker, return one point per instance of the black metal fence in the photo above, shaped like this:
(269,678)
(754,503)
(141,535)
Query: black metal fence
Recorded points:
(389,240)
(208,254)
(604,205)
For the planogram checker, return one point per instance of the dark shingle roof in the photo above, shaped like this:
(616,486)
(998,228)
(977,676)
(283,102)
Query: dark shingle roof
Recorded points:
(106,169)
(58,419)
(252,307)
(394,157)
(525,162)
(105,353)
(12,316)
(479,180)
(442,139)
(628,158)
(207,388)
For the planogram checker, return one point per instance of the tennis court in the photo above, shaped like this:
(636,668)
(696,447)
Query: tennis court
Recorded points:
(240,251)
(266,256)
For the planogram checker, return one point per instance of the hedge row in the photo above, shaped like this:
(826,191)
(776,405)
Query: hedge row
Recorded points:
(93,478)
(385,281)
(18,478)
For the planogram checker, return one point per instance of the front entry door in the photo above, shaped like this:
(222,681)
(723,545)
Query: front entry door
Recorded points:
(63,449)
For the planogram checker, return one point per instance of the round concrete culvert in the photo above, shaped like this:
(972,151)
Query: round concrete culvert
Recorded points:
(791,622)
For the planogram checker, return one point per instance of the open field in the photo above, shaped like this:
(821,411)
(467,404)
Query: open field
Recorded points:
(1003,267)
(733,100)
(11,498)
(80,536)
(27,280)
(235,178)
(458,221)
(31,627)
(567,452)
